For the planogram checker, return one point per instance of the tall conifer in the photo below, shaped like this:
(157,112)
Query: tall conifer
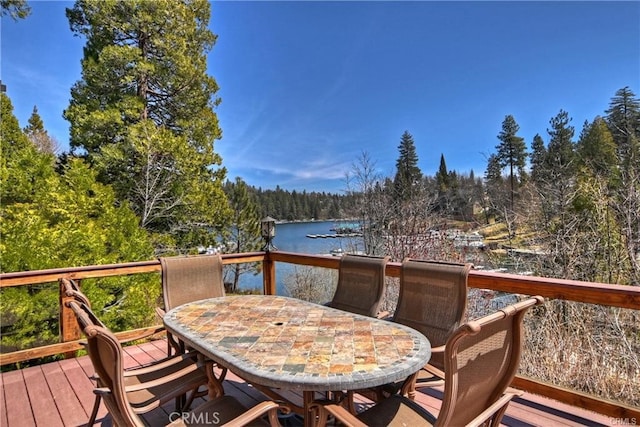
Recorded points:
(408,174)
(143,111)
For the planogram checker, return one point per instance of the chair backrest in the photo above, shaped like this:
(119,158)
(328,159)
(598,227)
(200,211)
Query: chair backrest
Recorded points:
(481,359)
(360,284)
(191,278)
(107,359)
(432,300)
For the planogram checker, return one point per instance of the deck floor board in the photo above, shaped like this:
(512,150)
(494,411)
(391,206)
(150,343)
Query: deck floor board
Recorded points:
(17,403)
(3,408)
(80,383)
(65,398)
(60,394)
(37,385)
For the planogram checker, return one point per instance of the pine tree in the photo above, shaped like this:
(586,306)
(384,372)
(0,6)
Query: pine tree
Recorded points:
(408,174)
(512,154)
(35,122)
(245,229)
(36,132)
(442,176)
(52,220)
(22,170)
(143,111)
(623,118)
(538,158)
(16,9)
(596,150)
(494,185)
(561,149)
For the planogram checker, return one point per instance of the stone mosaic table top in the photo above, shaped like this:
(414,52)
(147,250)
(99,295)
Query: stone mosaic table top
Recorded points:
(287,343)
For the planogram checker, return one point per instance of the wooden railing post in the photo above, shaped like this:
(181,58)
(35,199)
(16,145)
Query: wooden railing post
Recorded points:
(269,275)
(69,330)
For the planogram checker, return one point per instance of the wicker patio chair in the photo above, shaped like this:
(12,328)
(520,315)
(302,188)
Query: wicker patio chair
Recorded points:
(127,394)
(360,284)
(481,359)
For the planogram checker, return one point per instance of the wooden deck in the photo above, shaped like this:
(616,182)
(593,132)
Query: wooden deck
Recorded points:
(60,394)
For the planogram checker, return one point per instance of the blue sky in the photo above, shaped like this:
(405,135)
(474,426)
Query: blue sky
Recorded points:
(307,87)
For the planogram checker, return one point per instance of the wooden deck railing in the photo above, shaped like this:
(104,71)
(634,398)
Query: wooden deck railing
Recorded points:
(592,293)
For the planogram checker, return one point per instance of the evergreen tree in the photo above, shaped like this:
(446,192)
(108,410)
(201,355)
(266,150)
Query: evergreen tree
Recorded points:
(442,176)
(53,221)
(494,185)
(449,198)
(560,152)
(408,174)
(35,122)
(623,118)
(143,112)
(600,255)
(596,150)
(16,9)
(38,135)
(559,191)
(22,169)
(512,154)
(538,159)
(245,229)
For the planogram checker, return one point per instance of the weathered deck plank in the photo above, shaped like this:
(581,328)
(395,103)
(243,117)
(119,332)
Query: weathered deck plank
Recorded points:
(60,394)
(3,408)
(80,383)
(66,400)
(18,407)
(45,411)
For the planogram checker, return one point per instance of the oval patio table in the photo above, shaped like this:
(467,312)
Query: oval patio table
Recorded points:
(277,342)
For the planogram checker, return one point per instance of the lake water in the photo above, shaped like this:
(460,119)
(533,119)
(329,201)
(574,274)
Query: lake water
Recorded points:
(292,237)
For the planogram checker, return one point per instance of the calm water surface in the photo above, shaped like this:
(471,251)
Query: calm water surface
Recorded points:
(292,237)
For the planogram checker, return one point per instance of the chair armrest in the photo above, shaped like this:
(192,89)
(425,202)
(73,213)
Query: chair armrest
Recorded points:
(514,391)
(257,411)
(338,411)
(101,391)
(438,349)
(160,312)
(164,379)
(165,363)
(384,315)
(433,370)
(496,407)
(156,330)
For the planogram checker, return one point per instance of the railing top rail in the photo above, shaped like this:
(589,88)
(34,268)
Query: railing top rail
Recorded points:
(623,296)
(32,277)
